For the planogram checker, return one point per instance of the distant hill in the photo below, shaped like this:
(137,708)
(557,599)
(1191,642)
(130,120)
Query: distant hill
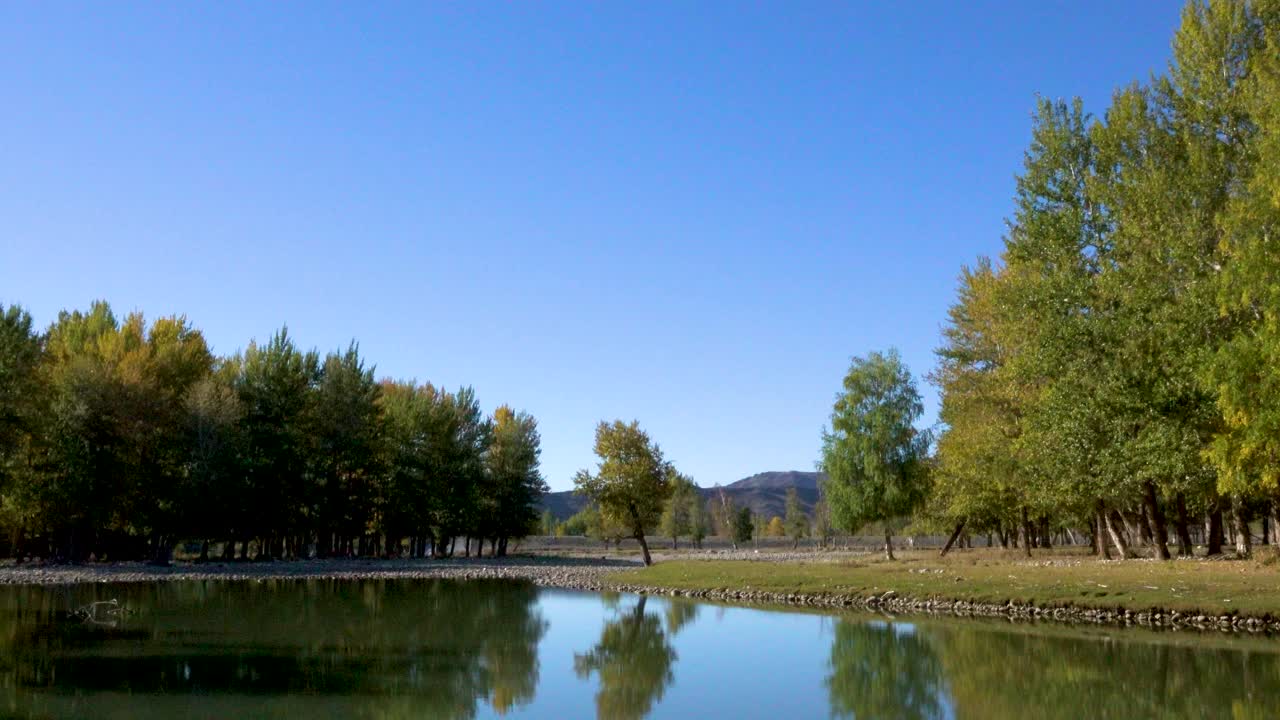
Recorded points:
(779,480)
(765,493)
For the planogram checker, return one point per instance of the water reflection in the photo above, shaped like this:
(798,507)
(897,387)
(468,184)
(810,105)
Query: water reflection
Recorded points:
(1052,672)
(633,660)
(441,649)
(423,649)
(881,670)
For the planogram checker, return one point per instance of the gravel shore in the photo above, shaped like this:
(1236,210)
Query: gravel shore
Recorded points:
(583,573)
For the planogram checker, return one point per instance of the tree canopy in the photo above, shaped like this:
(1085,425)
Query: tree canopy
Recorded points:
(873,455)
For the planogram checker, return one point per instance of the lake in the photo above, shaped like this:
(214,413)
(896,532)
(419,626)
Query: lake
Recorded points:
(453,649)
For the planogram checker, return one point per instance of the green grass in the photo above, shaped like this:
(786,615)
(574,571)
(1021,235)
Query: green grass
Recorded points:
(1059,578)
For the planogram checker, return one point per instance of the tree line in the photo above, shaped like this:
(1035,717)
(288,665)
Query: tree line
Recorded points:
(1115,374)
(120,438)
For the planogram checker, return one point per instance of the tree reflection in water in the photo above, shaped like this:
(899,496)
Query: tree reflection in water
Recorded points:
(633,660)
(1054,673)
(884,671)
(356,648)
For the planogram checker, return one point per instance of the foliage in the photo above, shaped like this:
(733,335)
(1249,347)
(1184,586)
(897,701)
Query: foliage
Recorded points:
(633,481)
(677,516)
(775,528)
(796,522)
(874,455)
(743,525)
(119,438)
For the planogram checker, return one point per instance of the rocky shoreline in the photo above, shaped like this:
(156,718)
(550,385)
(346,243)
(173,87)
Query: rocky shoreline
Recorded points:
(591,574)
(890,603)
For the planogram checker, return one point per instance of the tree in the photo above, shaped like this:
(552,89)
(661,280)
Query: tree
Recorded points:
(345,432)
(978,479)
(874,455)
(214,468)
(699,519)
(797,523)
(724,513)
(632,482)
(275,385)
(775,528)
(23,411)
(743,527)
(1241,373)
(676,517)
(547,523)
(822,528)
(513,485)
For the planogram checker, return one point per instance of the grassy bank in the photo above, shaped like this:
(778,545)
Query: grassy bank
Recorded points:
(1248,587)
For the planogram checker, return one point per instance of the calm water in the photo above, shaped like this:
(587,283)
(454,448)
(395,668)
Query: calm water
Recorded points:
(442,649)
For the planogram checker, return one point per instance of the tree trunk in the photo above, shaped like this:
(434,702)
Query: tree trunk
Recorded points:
(644,549)
(1244,541)
(160,551)
(1216,539)
(1026,533)
(1180,526)
(1116,531)
(1158,531)
(955,534)
(1266,525)
(888,544)
(1144,527)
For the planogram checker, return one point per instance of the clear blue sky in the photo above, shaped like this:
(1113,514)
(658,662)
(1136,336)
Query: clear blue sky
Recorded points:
(690,213)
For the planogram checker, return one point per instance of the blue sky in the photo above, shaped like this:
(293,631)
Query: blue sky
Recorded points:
(690,214)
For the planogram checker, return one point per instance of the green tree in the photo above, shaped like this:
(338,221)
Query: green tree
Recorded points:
(632,482)
(676,516)
(873,454)
(979,481)
(275,391)
(405,492)
(699,519)
(23,412)
(345,431)
(513,486)
(797,523)
(213,492)
(822,528)
(1241,373)
(743,526)
(724,513)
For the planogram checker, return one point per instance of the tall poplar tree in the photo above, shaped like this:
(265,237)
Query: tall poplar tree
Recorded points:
(873,454)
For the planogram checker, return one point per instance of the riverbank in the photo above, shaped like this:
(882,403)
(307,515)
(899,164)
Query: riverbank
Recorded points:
(1064,586)
(1060,586)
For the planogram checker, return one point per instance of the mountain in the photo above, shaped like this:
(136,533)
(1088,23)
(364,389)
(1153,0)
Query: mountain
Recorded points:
(776,480)
(765,493)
